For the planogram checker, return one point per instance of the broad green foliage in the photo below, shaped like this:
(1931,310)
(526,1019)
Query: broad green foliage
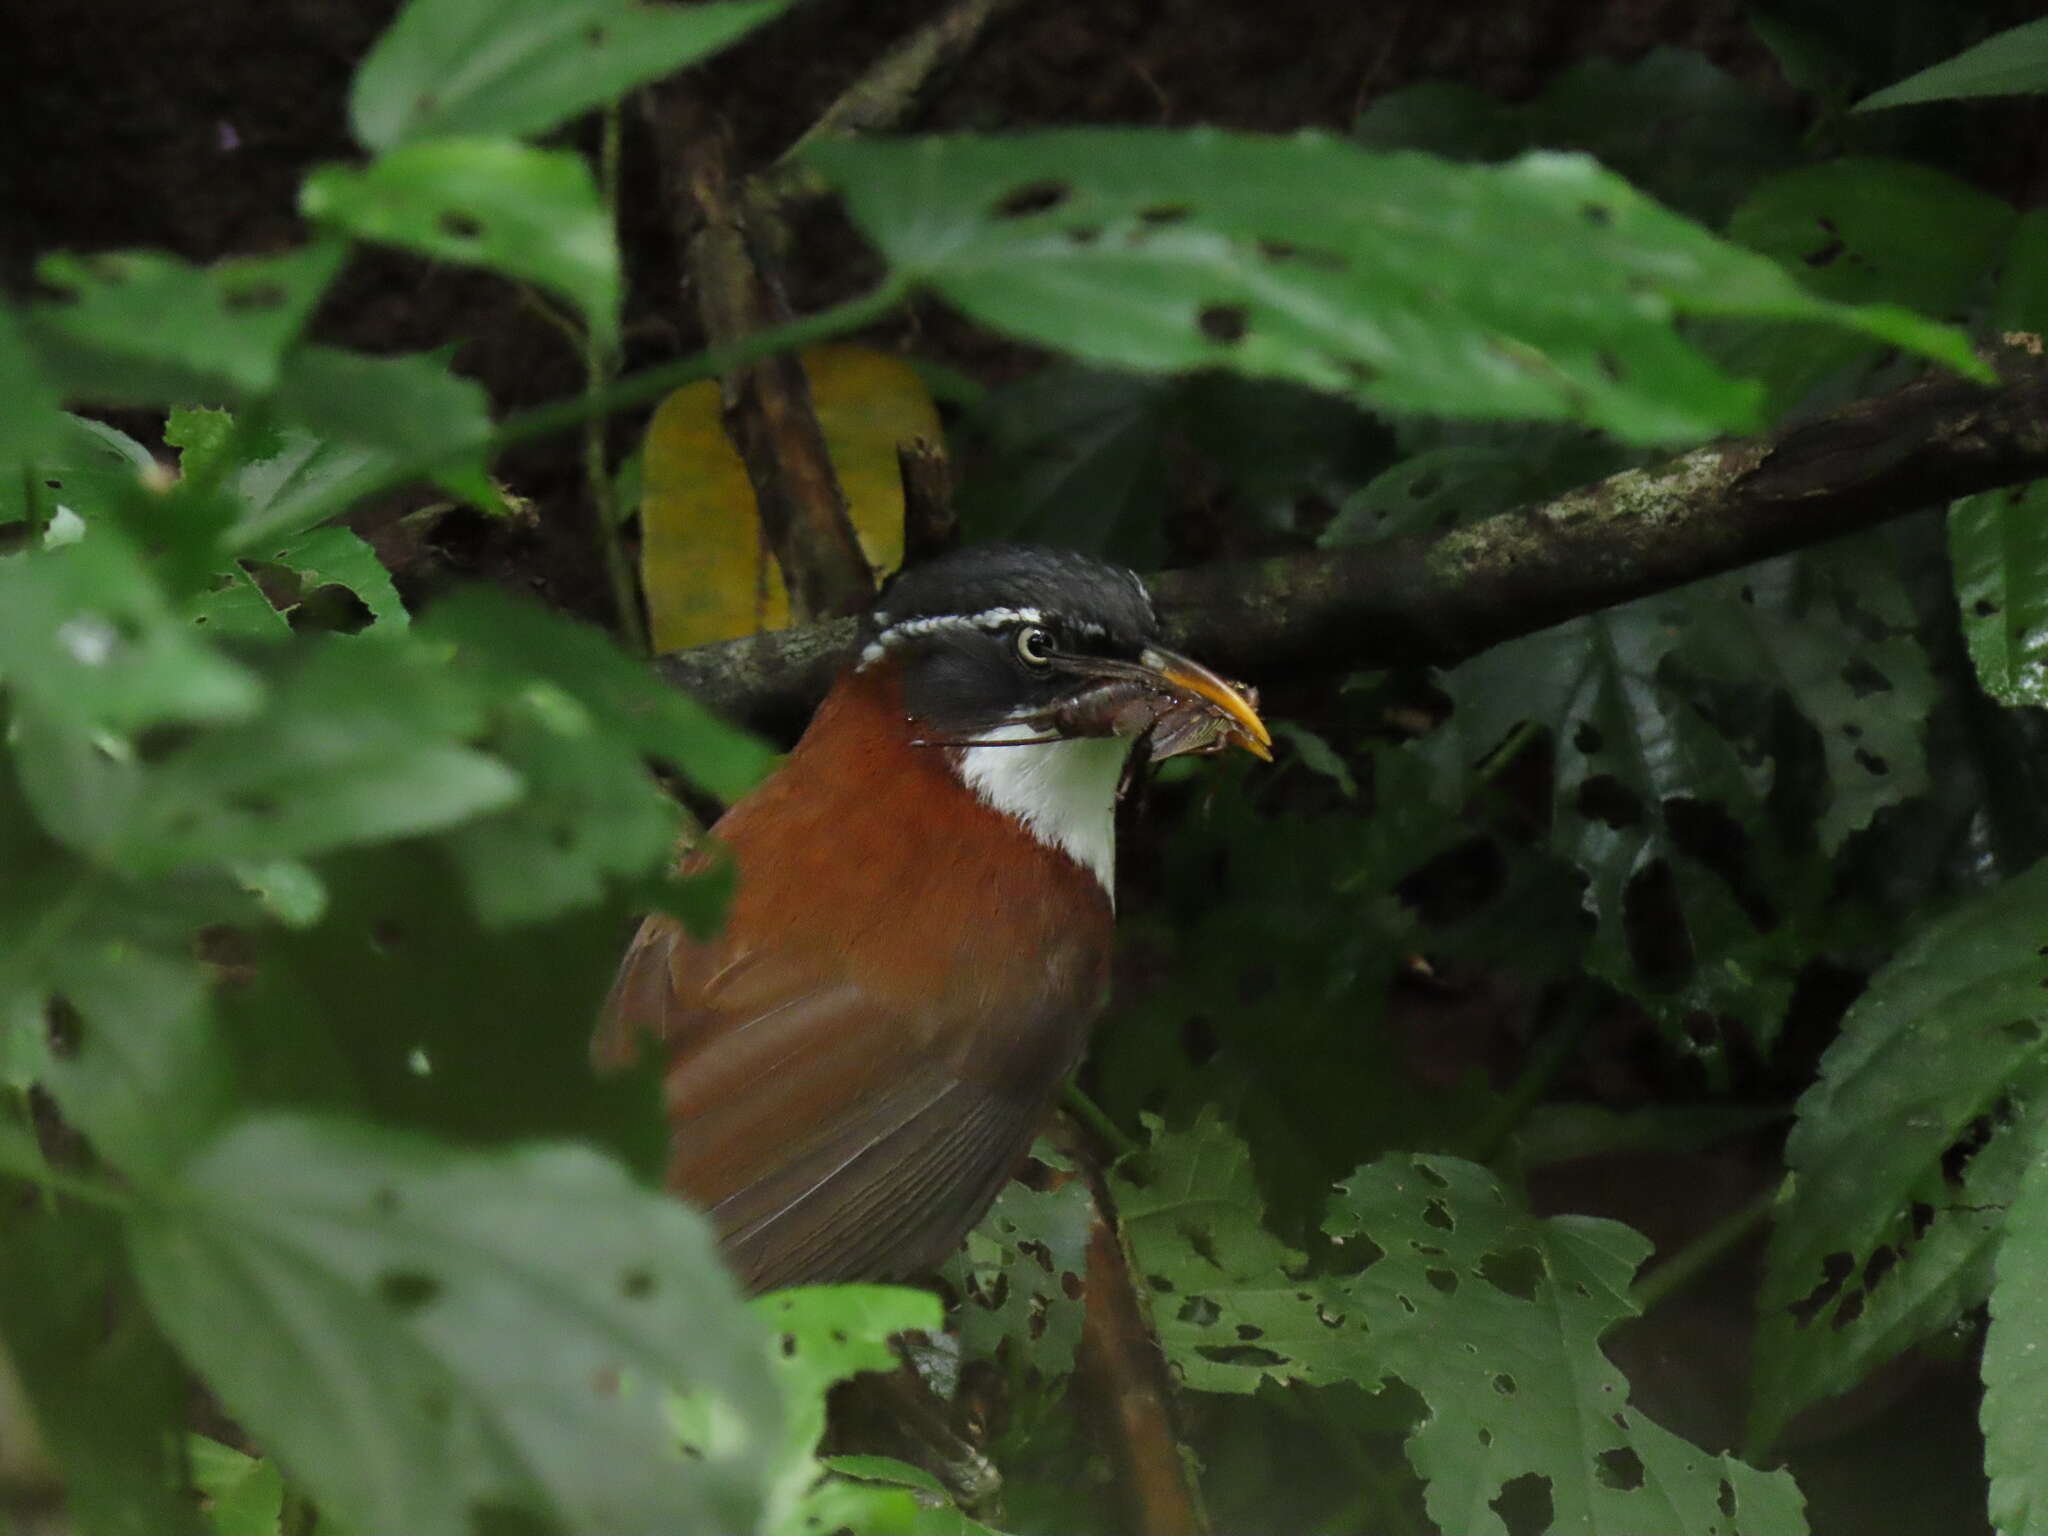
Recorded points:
(174,328)
(2016,1358)
(529,213)
(1493,1317)
(2014,62)
(307,900)
(1998,542)
(1907,1150)
(1373,275)
(349,1290)
(1020,1273)
(449,68)
(1661,711)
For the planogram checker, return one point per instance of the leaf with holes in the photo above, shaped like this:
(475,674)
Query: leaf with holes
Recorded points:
(1627,747)
(1906,1151)
(2010,63)
(533,215)
(1014,1272)
(1495,1317)
(820,1336)
(1860,231)
(1227,1304)
(522,67)
(323,557)
(2016,1356)
(1832,631)
(1998,548)
(87,471)
(160,320)
(1376,275)
(92,644)
(350,1295)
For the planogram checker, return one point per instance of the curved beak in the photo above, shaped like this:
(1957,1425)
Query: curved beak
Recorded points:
(1224,712)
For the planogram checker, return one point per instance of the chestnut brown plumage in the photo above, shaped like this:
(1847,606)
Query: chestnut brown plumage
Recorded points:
(921,935)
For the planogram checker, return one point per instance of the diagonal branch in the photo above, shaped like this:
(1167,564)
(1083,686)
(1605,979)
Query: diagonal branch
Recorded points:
(1440,600)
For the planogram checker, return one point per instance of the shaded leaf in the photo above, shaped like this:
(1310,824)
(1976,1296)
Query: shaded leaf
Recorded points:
(2016,1356)
(30,425)
(407,408)
(529,214)
(353,1293)
(1308,259)
(1998,546)
(244,1494)
(1013,1275)
(228,323)
(106,1390)
(1495,1317)
(2012,63)
(92,643)
(1906,1150)
(455,67)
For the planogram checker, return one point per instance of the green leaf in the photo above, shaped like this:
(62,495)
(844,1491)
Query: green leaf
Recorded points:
(823,1335)
(2022,302)
(1998,548)
(30,425)
(1075,457)
(144,1072)
(106,1391)
(1624,744)
(1832,630)
(1676,126)
(454,67)
(529,214)
(1865,231)
(90,643)
(431,1338)
(1905,1152)
(359,744)
(1227,1305)
(1495,1318)
(226,326)
(204,437)
(1373,275)
(2012,63)
(408,1008)
(244,1494)
(87,471)
(2016,1358)
(1318,756)
(1012,1276)
(407,407)
(336,557)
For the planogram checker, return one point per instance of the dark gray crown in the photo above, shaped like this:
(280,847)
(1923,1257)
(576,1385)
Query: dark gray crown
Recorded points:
(996,584)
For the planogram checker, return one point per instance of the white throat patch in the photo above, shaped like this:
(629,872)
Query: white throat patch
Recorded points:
(1063,792)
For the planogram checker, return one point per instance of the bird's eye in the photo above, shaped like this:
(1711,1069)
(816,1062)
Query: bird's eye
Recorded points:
(1034,645)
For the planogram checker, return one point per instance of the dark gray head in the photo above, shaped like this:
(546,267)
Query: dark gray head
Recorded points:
(1051,645)
(990,634)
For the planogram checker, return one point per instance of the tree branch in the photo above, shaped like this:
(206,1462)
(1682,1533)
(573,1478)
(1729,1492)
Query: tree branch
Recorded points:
(1439,600)
(768,412)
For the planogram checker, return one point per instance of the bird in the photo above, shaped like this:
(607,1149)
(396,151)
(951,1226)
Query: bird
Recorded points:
(920,936)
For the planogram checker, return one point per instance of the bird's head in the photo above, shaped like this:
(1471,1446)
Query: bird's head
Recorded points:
(1041,676)
(1018,646)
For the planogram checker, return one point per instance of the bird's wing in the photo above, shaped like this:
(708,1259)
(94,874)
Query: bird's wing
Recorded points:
(818,1126)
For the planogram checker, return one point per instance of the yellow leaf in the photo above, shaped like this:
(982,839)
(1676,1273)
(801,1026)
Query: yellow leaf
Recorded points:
(703,566)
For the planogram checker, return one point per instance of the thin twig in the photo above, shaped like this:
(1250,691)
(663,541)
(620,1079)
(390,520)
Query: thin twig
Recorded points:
(931,525)
(890,91)
(1703,1252)
(768,411)
(600,367)
(563,415)
(1121,1364)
